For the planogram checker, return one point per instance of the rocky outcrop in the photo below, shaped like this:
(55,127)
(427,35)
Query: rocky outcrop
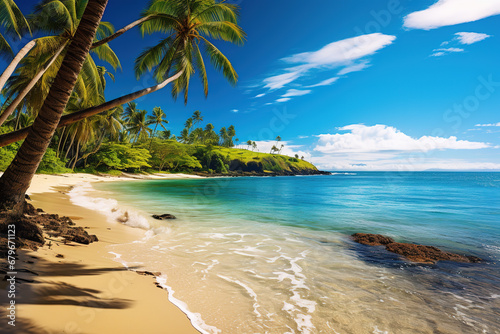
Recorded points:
(30,228)
(412,252)
(164,216)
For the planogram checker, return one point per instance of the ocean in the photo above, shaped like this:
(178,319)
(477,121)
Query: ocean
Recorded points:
(273,254)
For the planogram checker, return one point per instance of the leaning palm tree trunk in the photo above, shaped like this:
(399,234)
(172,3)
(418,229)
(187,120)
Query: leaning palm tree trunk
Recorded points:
(17,178)
(66,120)
(10,109)
(121,31)
(12,66)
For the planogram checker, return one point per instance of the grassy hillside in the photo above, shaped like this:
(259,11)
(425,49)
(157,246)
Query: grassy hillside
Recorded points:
(249,161)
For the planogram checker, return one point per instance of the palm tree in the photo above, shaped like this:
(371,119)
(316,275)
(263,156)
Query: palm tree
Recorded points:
(14,23)
(158,118)
(254,146)
(188,25)
(189,124)
(197,118)
(138,125)
(191,23)
(249,144)
(64,18)
(17,178)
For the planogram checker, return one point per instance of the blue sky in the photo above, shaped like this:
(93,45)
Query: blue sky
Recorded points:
(350,85)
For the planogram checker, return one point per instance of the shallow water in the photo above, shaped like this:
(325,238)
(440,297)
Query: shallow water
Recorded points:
(272,255)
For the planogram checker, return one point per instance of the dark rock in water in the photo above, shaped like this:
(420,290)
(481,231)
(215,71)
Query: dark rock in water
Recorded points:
(372,239)
(26,196)
(164,216)
(427,254)
(415,253)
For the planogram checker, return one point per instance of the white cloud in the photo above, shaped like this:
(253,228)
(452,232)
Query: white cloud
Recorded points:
(296,92)
(354,68)
(451,12)
(280,81)
(326,82)
(303,137)
(470,37)
(235,110)
(383,138)
(336,54)
(344,51)
(260,95)
(444,51)
(284,99)
(488,125)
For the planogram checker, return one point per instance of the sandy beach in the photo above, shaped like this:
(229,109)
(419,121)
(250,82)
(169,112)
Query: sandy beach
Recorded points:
(74,288)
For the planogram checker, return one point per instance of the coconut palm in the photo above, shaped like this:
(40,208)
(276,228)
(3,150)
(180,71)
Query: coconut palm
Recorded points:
(60,18)
(138,125)
(17,178)
(197,118)
(157,118)
(189,25)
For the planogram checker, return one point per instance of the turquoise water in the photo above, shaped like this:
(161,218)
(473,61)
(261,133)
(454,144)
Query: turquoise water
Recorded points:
(272,255)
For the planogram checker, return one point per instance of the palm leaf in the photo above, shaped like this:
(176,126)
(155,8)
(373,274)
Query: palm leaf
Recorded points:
(220,62)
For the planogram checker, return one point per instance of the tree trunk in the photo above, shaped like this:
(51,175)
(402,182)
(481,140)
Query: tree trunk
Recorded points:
(121,31)
(17,178)
(12,66)
(10,109)
(14,136)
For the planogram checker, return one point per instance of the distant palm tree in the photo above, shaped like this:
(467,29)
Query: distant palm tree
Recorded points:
(197,118)
(157,118)
(138,125)
(249,144)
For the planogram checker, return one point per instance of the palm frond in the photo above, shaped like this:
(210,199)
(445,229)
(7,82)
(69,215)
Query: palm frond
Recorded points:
(105,53)
(220,62)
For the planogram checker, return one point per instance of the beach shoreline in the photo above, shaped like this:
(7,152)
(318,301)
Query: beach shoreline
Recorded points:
(75,288)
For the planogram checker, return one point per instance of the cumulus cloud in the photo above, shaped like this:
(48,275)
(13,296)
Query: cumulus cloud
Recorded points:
(451,12)
(382,138)
(470,37)
(488,125)
(334,55)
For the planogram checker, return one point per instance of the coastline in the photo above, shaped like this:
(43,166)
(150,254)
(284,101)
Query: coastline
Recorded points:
(74,288)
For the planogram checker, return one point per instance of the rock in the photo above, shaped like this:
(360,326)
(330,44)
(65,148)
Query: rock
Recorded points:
(164,216)
(372,239)
(427,254)
(415,253)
